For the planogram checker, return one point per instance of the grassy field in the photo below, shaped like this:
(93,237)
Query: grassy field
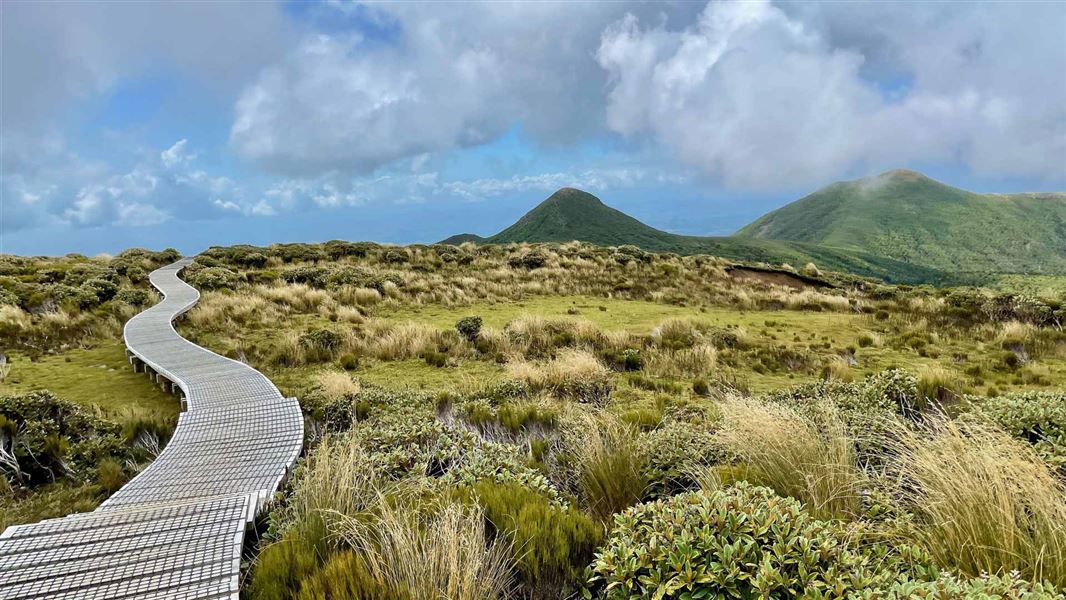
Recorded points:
(548,421)
(98,377)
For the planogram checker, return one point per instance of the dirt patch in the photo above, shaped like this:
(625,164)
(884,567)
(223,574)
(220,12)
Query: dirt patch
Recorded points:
(774,277)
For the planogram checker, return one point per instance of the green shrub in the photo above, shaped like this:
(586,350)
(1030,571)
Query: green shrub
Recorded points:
(469,327)
(671,452)
(741,542)
(533,259)
(524,417)
(435,359)
(552,545)
(1035,417)
(320,344)
(214,278)
(110,475)
(133,297)
(348,361)
(282,567)
(103,289)
(345,577)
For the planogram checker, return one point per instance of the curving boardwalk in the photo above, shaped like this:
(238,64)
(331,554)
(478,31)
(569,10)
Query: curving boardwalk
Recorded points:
(175,531)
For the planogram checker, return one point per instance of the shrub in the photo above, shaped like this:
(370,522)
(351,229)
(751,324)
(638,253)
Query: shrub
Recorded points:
(282,567)
(212,278)
(320,343)
(671,454)
(742,542)
(103,289)
(309,275)
(348,361)
(469,327)
(44,438)
(551,545)
(1035,417)
(435,359)
(533,259)
(345,576)
(133,297)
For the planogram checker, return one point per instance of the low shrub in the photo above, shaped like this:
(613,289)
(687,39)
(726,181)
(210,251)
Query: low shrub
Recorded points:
(1038,418)
(551,545)
(469,327)
(741,542)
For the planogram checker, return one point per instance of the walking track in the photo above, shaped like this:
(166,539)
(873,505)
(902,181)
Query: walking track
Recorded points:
(175,531)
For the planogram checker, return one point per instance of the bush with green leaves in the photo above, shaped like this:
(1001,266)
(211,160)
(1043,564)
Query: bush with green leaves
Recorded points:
(133,296)
(469,327)
(1036,417)
(534,259)
(44,438)
(213,278)
(671,452)
(739,542)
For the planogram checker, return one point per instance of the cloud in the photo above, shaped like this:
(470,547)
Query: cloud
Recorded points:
(759,98)
(176,155)
(455,76)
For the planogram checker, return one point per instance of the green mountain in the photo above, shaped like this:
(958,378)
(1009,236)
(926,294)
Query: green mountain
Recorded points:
(909,217)
(571,214)
(462,238)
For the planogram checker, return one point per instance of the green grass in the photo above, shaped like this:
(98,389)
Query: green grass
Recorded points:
(97,377)
(908,217)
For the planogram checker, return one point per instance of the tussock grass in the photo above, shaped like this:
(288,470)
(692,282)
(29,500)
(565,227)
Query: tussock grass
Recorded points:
(985,501)
(696,361)
(575,374)
(336,384)
(609,463)
(787,451)
(431,552)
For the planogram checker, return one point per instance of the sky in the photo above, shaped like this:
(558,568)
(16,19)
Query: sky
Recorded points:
(191,124)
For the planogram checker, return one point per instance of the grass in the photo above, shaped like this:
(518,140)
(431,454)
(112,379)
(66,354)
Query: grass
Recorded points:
(98,377)
(984,501)
(795,456)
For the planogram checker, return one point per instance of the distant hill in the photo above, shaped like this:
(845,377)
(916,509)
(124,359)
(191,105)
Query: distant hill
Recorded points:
(571,214)
(906,216)
(462,238)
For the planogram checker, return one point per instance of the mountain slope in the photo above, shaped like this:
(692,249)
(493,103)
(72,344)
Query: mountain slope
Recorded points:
(571,214)
(906,216)
(461,238)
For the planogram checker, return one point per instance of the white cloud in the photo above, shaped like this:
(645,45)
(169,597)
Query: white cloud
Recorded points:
(458,75)
(176,155)
(761,99)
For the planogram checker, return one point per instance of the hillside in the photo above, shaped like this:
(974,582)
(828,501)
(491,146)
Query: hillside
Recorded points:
(571,214)
(909,217)
(462,238)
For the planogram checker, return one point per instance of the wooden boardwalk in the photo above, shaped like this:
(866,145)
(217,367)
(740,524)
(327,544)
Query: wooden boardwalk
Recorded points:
(176,530)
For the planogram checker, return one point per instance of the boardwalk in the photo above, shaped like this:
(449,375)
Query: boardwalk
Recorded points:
(176,530)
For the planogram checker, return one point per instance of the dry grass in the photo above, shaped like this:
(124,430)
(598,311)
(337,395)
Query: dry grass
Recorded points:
(431,552)
(573,373)
(689,362)
(985,501)
(782,449)
(337,479)
(838,368)
(336,384)
(939,384)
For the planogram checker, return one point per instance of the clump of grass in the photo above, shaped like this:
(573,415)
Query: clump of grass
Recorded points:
(985,501)
(610,465)
(430,552)
(575,374)
(938,384)
(110,475)
(838,368)
(336,384)
(694,361)
(791,453)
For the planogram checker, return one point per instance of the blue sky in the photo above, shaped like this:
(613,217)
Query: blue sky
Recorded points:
(194,124)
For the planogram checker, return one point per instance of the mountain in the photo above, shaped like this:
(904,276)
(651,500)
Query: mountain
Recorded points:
(462,238)
(906,216)
(571,214)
